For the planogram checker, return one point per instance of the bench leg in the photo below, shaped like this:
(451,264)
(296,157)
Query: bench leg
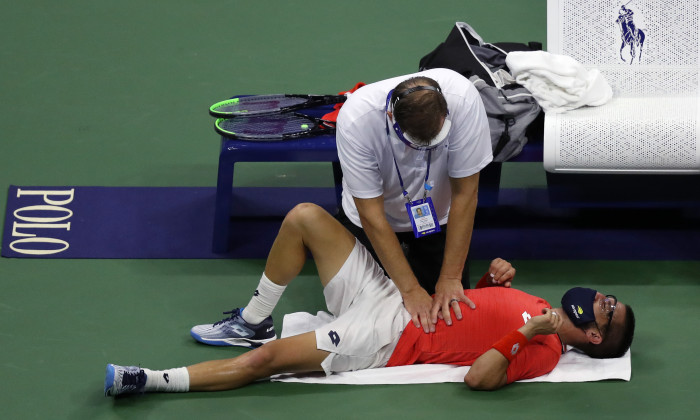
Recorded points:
(222,211)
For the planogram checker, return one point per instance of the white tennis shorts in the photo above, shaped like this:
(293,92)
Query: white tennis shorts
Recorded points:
(369,316)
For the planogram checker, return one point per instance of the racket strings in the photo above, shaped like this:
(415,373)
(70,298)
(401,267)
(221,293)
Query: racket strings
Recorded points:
(262,104)
(257,104)
(270,125)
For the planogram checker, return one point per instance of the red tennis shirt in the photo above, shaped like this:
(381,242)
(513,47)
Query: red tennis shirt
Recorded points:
(499,311)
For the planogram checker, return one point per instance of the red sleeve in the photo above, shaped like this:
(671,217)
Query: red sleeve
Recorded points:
(485,281)
(538,358)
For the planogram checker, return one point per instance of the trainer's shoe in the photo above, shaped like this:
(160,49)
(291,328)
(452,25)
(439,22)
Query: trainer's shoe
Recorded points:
(124,380)
(235,331)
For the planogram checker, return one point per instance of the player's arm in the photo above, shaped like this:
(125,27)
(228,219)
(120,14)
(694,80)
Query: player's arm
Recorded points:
(488,372)
(386,245)
(501,273)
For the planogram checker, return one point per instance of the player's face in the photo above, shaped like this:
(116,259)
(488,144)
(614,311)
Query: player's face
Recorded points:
(605,307)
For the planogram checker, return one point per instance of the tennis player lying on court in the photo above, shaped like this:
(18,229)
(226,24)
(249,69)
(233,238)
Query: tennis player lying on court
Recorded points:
(508,336)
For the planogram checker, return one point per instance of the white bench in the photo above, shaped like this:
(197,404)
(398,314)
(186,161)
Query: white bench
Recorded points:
(652,124)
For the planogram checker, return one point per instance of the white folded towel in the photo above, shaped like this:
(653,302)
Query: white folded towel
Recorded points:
(558,82)
(572,367)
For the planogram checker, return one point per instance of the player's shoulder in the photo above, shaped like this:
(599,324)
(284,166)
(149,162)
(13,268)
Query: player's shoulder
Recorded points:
(504,292)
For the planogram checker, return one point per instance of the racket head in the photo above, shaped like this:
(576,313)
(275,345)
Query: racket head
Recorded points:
(271,127)
(264,104)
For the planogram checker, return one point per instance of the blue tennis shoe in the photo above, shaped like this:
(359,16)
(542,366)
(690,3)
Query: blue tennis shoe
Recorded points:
(235,331)
(121,380)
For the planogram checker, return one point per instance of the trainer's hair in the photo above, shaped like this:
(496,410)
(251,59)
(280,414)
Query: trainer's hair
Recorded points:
(616,342)
(419,113)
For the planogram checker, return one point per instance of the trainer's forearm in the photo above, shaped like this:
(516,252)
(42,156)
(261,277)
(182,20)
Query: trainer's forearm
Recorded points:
(385,243)
(460,225)
(388,250)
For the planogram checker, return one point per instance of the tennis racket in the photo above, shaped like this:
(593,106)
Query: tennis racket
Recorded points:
(267,104)
(272,127)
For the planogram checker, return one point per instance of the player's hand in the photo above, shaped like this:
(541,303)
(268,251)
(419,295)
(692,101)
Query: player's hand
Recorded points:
(418,303)
(502,272)
(547,323)
(448,294)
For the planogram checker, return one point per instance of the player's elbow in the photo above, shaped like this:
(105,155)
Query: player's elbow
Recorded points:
(477,382)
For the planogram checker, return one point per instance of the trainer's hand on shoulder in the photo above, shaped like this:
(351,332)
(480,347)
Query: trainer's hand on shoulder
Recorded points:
(502,272)
(448,293)
(418,304)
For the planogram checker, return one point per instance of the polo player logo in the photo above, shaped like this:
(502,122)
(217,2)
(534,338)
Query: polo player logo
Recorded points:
(630,34)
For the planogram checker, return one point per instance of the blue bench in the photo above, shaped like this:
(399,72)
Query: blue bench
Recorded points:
(311,149)
(318,149)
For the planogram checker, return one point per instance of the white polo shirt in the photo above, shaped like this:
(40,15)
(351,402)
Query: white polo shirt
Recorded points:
(365,149)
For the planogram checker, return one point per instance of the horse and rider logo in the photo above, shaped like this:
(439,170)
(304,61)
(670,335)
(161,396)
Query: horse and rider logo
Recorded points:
(630,34)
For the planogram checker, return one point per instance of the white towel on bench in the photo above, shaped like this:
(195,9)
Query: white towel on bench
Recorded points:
(572,367)
(558,82)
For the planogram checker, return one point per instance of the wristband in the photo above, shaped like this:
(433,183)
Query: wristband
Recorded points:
(510,345)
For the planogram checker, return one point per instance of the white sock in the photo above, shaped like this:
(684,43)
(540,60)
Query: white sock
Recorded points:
(171,380)
(263,301)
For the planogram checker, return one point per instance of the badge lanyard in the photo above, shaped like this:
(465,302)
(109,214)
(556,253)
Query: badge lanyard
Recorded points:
(426,187)
(421,212)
